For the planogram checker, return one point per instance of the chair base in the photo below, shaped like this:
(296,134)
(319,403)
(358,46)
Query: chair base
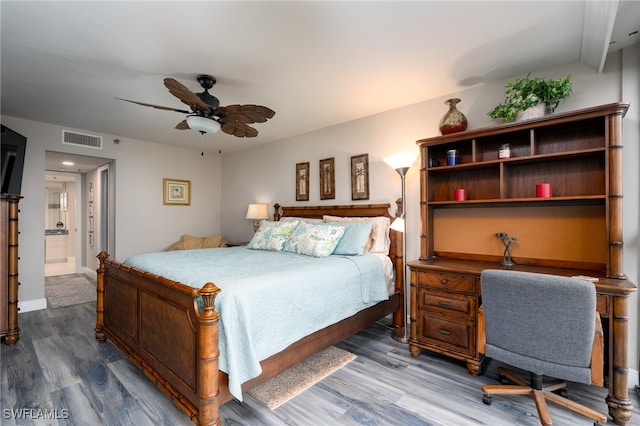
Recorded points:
(540,393)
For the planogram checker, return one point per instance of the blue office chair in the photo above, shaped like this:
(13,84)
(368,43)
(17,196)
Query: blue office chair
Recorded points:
(548,326)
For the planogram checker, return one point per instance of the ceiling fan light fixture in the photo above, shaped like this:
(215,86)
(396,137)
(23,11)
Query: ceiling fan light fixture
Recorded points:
(202,124)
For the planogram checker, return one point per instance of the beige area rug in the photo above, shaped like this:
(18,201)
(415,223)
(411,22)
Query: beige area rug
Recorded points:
(67,290)
(293,381)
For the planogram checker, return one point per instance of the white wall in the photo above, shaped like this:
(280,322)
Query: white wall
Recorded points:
(142,222)
(267,173)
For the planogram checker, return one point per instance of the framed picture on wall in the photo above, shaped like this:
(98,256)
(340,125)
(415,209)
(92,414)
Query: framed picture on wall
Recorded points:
(176,192)
(302,182)
(360,177)
(327,179)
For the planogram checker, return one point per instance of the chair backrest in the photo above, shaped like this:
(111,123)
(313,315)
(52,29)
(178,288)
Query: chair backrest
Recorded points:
(539,320)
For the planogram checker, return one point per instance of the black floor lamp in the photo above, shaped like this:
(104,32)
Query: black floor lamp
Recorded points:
(401,162)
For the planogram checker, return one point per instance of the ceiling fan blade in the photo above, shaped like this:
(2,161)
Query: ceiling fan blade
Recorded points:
(156,106)
(183,125)
(247,114)
(181,92)
(239,129)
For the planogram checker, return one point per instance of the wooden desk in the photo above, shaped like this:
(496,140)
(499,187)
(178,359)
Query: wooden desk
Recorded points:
(446,297)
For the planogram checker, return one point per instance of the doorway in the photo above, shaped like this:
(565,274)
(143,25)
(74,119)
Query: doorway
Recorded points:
(62,227)
(70,209)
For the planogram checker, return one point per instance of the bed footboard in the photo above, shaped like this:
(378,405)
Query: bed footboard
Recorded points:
(156,322)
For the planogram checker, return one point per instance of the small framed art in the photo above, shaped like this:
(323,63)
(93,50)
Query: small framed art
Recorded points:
(302,182)
(327,179)
(360,177)
(176,192)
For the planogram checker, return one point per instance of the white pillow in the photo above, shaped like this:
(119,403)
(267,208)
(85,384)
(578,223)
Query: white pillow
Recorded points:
(381,242)
(300,219)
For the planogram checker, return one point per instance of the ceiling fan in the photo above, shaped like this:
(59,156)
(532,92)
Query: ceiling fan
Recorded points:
(207,116)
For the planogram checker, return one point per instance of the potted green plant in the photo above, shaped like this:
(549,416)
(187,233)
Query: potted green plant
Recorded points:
(525,93)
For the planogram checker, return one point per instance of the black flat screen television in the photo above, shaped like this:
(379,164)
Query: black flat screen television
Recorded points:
(13,146)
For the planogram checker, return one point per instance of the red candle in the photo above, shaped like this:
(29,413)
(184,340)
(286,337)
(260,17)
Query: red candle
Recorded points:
(460,194)
(543,190)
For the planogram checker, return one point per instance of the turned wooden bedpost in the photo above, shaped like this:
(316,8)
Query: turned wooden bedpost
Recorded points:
(276,212)
(208,352)
(100,336)
(397,251)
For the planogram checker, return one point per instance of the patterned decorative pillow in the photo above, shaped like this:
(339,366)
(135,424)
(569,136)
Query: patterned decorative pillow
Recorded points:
(272,235)
(318,240)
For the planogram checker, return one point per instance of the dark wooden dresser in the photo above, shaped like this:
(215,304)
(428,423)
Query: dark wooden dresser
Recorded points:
(575,230)
(9,269)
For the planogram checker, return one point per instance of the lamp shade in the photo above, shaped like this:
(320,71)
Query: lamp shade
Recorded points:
(257,211)
(400,160)
(202,124)
(398,224)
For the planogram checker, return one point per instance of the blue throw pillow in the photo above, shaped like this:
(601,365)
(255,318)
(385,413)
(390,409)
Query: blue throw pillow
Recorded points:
(355,238)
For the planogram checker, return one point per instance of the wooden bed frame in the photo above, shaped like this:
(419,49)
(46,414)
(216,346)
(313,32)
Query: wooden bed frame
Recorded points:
(149,317)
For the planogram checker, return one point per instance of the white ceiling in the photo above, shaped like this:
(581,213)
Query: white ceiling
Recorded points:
(316,64)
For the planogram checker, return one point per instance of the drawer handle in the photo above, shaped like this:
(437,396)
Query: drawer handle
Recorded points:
(445,332)
(444,304)
(443,281)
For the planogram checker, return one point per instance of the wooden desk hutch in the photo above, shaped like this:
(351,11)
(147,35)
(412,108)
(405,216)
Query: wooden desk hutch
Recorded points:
(576,231)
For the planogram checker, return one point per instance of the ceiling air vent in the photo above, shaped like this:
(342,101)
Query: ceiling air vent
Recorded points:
(81,139)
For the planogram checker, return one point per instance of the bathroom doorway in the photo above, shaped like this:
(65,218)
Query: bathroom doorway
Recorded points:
(70,206)
(62,227)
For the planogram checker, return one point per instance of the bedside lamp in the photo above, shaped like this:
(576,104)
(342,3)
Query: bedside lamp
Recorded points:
(401,162)
(257,212)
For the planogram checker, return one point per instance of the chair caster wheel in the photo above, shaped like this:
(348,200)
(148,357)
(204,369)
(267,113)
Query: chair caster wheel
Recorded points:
(486,399)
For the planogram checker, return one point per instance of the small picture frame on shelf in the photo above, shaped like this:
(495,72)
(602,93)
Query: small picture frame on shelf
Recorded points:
(360,177)
(327,179)
(302,181)
(176,192)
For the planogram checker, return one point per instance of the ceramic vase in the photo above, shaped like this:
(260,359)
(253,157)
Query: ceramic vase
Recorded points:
(453,121)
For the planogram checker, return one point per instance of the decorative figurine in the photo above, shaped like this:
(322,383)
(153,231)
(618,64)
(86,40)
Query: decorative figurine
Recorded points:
(506,240)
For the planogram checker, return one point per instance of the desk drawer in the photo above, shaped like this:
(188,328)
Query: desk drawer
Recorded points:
(446,333)
(447,282)
(454,303)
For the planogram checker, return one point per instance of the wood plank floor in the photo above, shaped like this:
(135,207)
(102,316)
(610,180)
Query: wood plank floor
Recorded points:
(57,369)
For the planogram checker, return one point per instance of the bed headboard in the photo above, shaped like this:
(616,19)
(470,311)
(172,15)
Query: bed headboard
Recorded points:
(316,212)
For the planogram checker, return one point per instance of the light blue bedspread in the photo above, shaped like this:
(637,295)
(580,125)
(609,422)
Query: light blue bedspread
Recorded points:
(270,299)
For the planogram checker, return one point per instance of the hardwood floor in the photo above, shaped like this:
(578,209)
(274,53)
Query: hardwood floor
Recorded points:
(57,371)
